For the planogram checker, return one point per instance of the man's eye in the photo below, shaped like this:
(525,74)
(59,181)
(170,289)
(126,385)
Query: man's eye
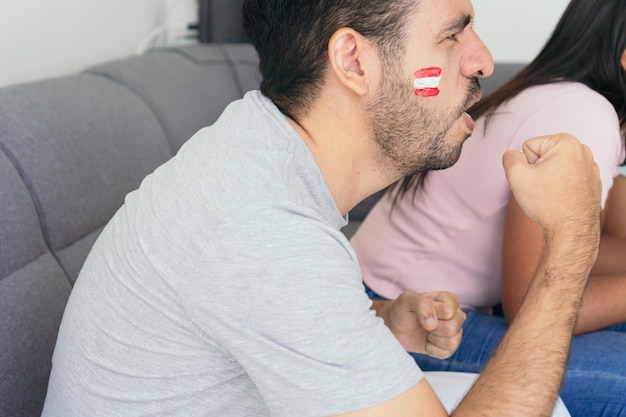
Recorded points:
(453,37)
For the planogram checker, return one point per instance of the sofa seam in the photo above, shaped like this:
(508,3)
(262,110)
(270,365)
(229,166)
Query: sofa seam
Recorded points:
(126,87)
(41,218)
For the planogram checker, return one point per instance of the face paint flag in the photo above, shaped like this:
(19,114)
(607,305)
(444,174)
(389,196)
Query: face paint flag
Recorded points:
(427,81)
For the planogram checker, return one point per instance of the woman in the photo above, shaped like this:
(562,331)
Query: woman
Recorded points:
(460,229)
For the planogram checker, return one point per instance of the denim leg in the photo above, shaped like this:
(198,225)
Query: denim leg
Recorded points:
(595,380)
(481,335)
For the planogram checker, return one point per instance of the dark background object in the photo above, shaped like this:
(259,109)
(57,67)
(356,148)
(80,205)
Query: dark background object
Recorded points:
(220,21)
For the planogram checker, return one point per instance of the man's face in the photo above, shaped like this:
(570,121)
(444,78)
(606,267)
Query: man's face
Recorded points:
(419,113)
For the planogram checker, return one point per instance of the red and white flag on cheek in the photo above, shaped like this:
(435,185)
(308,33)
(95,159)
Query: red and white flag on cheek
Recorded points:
(427,81)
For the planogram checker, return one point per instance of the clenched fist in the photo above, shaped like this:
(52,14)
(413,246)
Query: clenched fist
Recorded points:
(430,323)
(556,182)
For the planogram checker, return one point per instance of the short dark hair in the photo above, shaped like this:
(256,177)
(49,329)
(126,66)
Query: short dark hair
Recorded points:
(291,38)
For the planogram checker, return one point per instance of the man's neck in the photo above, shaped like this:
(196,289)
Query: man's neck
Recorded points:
(346,156)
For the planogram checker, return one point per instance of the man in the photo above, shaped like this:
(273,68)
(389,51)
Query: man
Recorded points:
(224,286)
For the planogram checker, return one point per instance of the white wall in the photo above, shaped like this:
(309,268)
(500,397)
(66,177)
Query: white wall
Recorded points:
(45,38)
(515,31)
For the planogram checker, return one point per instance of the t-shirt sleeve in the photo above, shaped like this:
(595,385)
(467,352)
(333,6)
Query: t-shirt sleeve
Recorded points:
(286,301)
(586,115)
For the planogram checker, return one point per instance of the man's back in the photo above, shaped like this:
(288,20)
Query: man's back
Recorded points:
(176,308)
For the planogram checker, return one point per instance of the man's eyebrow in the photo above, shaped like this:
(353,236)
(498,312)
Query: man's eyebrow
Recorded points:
(457,25)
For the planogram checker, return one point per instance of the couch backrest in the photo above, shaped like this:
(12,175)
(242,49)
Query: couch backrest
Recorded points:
(187,88)
(80,143)
(71,148)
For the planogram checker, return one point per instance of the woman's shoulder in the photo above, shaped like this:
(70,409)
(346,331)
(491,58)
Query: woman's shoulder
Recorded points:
(557,107)
(565,94)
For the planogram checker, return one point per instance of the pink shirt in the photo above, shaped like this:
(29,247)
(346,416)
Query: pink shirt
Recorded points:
(450,237)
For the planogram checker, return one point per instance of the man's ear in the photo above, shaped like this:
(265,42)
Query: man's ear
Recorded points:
(353,60)
(624,60)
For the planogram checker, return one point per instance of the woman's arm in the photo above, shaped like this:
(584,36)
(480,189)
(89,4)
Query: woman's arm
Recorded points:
(612,256)
(615,209)
(603,301)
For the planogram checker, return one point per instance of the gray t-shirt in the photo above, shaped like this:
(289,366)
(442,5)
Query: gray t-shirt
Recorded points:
(224,287)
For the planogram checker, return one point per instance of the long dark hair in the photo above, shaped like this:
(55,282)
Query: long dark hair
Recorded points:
(586,47)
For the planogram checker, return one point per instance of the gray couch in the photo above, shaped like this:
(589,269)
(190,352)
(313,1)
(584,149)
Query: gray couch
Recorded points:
(71,148)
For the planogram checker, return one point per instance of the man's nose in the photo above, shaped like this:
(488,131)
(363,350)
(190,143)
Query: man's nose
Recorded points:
(479,62)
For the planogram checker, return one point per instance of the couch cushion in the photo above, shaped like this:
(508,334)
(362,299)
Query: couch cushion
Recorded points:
(242,57)
(185,93)
(33,293)
(81,143)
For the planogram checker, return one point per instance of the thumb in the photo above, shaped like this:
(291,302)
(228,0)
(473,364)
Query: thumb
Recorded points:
(532,153)
(539,147)
(512,158)
(426,313)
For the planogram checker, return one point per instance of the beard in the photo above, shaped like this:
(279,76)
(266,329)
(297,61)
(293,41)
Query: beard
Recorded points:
(415,138)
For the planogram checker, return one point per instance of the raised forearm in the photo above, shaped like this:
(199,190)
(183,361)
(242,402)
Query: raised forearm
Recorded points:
(556,183)
(603,301)
(524,376)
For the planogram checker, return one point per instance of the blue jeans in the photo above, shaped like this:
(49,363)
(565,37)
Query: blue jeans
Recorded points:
(595,380)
